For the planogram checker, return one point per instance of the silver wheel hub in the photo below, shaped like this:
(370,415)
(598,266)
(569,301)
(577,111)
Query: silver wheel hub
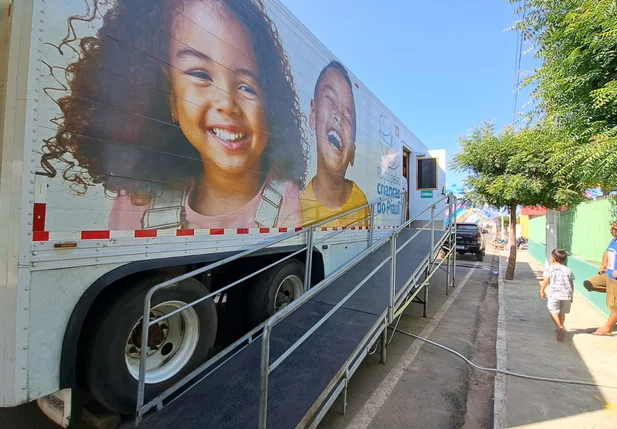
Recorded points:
(290,289)
(171,343)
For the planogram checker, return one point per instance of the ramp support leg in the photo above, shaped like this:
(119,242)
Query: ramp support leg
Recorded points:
(453,231)
(309,259)
(345,392)
(432,258)
(448,262)
(371,224)
(392,277)
(384,344)
(425,302)
(453,265)
(451,244)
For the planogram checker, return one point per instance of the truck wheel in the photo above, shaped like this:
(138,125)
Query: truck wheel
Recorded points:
(176,346)
(274,289)
(480,256)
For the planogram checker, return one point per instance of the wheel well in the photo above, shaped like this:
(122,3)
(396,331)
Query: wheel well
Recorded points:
(113,283)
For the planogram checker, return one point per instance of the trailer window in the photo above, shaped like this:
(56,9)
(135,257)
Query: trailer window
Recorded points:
(427,173)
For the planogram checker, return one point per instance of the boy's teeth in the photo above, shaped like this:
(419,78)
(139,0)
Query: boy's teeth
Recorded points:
(335,139)
(228,136)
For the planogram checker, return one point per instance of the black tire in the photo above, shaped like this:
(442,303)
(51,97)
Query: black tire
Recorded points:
(480,256)
(106,373)
(263,291)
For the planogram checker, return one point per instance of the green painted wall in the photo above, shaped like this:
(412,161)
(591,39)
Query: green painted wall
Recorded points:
(582,270)
(582,231)
(537,229)
(537,250)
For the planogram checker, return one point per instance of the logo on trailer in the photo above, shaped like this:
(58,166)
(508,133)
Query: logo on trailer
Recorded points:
(390,144)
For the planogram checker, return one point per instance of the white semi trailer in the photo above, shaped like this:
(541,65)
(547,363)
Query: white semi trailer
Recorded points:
(144,139)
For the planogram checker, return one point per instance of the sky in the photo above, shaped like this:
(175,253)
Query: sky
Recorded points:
(441,66)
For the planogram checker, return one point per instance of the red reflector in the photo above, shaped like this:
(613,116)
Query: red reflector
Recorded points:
(218,231)
(282,229)
(184,232)
(65,245)
(479,235)
(40,236)
(145,233)
(298,229)
(38,222)
(264,230)
(94,235)
(243,230)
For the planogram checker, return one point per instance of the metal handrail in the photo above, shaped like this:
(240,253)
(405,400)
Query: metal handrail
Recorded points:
(146,407)
(266,368)
(171,282)
(305,297)
(407,223)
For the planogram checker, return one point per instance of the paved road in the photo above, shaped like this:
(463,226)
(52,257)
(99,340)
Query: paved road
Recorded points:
(420,385)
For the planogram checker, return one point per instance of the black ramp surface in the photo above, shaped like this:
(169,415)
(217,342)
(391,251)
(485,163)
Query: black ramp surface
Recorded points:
(374,296)
(229,398)
(410,258)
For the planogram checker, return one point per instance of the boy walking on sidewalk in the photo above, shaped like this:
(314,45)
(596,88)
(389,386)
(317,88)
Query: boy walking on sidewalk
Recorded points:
(557,288)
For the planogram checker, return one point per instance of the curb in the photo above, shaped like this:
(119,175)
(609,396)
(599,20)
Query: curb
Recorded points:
(499,407)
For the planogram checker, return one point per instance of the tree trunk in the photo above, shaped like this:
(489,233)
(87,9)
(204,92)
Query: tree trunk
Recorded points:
(512,258)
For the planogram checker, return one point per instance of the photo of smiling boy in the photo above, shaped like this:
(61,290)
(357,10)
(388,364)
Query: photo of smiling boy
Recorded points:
(333,119)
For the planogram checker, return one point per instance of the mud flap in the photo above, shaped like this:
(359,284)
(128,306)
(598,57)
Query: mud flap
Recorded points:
(57,407)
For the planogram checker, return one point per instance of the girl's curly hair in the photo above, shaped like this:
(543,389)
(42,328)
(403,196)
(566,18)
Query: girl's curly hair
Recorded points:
(116,127)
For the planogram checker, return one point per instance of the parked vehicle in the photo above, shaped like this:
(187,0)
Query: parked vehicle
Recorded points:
(142,140)
(469,239)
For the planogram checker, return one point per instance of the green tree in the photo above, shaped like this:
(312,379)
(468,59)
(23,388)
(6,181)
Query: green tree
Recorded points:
(510,168)
(576,86)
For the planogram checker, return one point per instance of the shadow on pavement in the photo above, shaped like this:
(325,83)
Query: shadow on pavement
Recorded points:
(532,349)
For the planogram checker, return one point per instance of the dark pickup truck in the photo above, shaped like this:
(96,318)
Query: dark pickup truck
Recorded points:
(469,239)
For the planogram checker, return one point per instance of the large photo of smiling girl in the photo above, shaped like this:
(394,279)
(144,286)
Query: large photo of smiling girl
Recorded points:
(185,112)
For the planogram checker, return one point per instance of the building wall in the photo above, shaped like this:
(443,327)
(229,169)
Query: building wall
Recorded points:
(524,222)
(584,233)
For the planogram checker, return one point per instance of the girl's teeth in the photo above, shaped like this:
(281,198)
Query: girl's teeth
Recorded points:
(228,136)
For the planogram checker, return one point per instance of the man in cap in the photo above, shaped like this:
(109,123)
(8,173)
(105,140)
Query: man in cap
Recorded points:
(606,281)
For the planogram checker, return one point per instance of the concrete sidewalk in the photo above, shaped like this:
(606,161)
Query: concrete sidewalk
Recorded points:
(526,343)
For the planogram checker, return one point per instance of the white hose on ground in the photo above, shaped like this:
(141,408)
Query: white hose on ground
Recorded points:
(500,371)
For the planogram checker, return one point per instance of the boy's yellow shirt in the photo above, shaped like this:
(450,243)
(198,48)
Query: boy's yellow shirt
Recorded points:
(314,211)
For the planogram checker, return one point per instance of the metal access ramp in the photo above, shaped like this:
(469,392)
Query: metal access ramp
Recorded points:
(291,370)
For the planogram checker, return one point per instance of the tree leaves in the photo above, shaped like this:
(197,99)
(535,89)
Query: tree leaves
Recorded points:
(516,167)
(576,86)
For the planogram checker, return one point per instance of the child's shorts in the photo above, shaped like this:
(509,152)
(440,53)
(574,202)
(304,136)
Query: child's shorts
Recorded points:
(558,305)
